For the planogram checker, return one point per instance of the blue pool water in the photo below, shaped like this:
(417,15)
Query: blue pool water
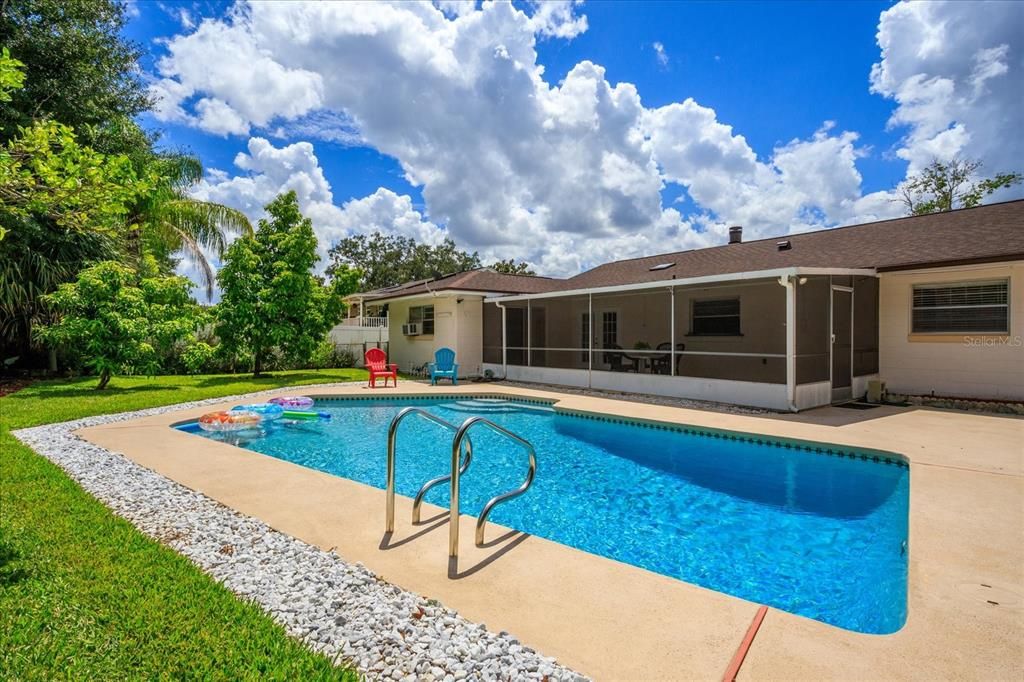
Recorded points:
(819,535)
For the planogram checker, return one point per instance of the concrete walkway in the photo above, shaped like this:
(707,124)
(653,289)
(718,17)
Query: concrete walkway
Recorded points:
(615,621)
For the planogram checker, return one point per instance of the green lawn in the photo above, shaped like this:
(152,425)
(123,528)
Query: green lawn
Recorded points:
(83,595)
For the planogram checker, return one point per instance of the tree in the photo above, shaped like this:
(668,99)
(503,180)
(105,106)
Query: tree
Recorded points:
(166,220)
(947,186)
(12,75)
(511,267)
(62,204)
(118,322)
(79,69)
(269,298)
(12,78)
(345,280)
(45,173)
(387,260)
(35,259)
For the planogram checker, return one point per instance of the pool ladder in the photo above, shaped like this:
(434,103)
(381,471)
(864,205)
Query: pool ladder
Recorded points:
(459,464)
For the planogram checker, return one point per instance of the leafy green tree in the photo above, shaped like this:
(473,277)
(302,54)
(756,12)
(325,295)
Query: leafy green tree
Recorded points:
(62,205)
(166,220)
(945,186)
(511,267)
(387,260)
(269,298)
(12,75)
(35,259)
(345,280)
(12,78)
(47,174)
(80,70)
(118,322)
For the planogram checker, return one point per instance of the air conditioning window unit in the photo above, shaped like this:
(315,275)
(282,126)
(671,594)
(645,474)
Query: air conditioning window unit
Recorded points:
(411,329)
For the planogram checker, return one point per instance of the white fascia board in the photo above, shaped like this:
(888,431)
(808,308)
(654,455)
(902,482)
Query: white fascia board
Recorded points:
(444,293)
(691,281)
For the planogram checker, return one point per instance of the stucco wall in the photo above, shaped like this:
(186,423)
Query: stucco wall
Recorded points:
(976,366)
(456,326)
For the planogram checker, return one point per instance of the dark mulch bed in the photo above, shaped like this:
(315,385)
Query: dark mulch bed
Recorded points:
(9,386)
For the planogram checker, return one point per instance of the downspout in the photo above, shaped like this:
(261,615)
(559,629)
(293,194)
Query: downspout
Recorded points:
(788,282)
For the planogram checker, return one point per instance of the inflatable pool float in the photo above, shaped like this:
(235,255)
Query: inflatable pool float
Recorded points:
(235,420)
(266,411)
(303,415)
(293,401)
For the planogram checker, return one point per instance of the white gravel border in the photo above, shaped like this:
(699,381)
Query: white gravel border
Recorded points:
(335,607)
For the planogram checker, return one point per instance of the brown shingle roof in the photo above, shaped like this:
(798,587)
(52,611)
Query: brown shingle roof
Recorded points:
(985,233)
(482,279)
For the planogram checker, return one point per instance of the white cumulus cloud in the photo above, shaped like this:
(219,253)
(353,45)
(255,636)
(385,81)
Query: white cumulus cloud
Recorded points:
(562,174)
(956,73)
(267,171)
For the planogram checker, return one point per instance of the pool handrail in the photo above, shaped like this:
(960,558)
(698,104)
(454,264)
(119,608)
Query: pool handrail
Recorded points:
(417,501)
(389,525)
(453,510)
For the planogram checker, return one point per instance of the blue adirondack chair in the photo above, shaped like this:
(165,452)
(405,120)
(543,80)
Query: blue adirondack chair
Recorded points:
(444,366)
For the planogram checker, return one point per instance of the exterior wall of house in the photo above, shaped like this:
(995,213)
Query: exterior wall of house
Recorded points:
(456,326)
(762,337)
(957,365)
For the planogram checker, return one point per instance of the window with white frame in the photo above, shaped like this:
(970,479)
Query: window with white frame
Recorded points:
(424,316)
(961,307)
(716,317)
(609,329)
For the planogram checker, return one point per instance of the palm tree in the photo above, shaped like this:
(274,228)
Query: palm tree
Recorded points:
(167,220)
(35,258)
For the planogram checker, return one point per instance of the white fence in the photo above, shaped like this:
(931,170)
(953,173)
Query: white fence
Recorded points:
(366,322)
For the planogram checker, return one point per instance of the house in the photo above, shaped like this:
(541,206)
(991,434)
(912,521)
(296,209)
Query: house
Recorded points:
(425,315)
(923,303)
(365,326)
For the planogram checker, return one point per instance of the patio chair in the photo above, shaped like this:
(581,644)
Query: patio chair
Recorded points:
(376,365)
(444,367)
(619,362)
(663,363)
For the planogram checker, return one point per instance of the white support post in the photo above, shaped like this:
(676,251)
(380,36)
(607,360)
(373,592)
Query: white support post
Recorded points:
(672,330)
(529,333)
(504,341)
(590,340)
(789,282)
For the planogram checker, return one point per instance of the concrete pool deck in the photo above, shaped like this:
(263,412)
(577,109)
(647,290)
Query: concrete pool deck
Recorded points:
(615,621)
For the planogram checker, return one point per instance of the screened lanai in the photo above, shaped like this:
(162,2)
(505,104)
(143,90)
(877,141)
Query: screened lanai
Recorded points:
(724,340)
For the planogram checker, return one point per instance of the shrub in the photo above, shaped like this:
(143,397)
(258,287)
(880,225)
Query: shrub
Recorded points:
(329,356)
(120,323)
(198,358)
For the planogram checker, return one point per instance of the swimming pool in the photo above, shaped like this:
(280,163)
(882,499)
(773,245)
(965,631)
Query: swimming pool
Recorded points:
(812,529)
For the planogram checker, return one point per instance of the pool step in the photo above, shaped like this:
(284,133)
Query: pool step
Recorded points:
(495,405)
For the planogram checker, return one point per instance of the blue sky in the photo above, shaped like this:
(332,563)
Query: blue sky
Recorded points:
(761,113)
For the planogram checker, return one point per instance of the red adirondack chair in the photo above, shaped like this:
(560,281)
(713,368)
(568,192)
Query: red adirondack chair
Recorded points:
(377,365)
